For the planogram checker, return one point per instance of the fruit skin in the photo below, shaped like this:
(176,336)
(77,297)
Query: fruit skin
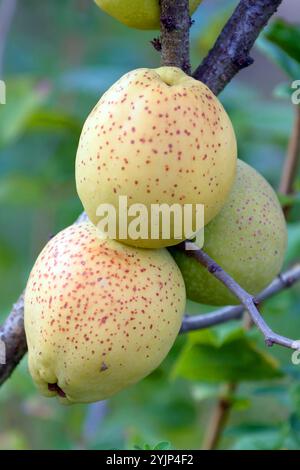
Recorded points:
(139,14)
(156,136)
(99,315)
(247,238)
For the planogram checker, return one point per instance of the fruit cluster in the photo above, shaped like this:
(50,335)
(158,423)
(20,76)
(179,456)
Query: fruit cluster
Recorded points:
(102,313)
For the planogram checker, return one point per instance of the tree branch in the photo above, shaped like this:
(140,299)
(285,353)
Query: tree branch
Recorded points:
(231,51)
(175,26)
(247,301)
(13,335)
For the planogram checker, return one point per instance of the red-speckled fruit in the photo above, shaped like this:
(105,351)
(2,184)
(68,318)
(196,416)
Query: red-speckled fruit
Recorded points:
(247,238)
(156,136)
(99,315)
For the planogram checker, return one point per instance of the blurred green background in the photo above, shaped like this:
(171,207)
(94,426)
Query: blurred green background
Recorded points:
(58,58)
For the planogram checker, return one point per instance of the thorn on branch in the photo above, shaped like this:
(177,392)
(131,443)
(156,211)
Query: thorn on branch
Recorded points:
(231,50)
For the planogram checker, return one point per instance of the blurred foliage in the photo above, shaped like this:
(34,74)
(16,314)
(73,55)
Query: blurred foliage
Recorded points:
(286,37)
(59,58)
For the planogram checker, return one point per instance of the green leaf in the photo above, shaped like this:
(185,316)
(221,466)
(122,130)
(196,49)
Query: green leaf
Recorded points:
(240,403)
(293,250)
(295,397)
(217,355)
(286,36)
(163,446)
(295,427)
(264,439)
